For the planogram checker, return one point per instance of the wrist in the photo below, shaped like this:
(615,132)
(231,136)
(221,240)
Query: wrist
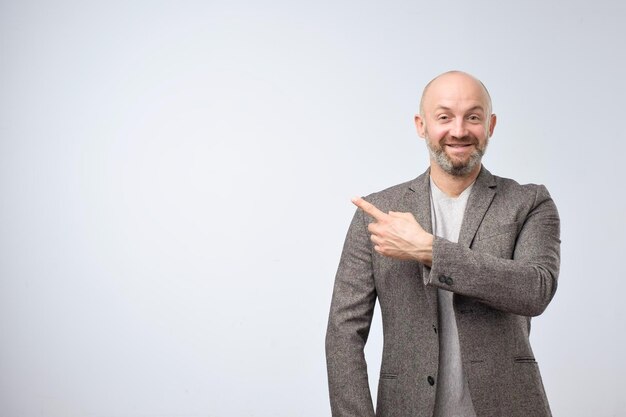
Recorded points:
(425,253)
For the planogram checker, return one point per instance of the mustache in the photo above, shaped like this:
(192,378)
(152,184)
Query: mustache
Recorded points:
(464,140)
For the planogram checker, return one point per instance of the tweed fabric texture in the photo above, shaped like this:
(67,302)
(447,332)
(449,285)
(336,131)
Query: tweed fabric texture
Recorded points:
(502,271)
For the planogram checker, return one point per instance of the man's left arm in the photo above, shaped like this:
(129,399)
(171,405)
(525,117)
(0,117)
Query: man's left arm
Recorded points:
(522,285)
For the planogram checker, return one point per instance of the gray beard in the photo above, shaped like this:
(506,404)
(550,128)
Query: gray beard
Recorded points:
(457,170)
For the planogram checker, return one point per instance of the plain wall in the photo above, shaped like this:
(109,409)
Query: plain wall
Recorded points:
(175,180)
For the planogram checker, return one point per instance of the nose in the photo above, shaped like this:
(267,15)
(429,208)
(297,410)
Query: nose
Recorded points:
(459,129)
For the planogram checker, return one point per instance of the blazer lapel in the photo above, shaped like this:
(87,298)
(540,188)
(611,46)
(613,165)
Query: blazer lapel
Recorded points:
(416,201)
(479,201)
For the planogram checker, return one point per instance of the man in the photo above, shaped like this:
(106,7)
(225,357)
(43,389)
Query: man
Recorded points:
(459,260)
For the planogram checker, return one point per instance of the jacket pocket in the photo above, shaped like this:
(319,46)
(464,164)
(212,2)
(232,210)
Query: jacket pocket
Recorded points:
(524,359)
(529,394)
(490,231)
(387,401)
(497,239)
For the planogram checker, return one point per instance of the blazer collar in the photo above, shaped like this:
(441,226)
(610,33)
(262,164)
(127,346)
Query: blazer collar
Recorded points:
(417,201)
(480,199)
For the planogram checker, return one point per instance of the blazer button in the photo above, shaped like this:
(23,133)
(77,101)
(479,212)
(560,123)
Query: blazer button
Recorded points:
(431,380)
(449,281)
(442,279)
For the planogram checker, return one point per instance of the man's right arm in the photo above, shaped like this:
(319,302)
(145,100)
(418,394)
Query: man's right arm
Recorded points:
(352,307)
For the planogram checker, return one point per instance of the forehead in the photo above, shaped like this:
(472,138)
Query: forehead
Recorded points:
(455,91)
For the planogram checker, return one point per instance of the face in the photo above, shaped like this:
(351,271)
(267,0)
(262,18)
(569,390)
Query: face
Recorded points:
(456,123)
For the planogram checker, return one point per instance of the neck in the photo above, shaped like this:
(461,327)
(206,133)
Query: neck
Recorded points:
(450,184)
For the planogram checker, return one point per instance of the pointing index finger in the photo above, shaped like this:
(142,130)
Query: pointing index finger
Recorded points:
(369,208)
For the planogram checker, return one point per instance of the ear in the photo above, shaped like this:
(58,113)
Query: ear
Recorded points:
(420,126)
(492,124)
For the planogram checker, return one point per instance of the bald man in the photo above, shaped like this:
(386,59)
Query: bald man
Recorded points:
(459,260)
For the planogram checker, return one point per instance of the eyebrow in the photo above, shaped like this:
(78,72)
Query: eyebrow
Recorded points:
(440,107)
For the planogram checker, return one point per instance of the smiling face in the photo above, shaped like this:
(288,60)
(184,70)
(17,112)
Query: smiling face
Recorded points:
(455,120)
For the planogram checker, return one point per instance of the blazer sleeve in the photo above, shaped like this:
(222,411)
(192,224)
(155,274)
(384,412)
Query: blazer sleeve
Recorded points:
(351,311)
(522,285)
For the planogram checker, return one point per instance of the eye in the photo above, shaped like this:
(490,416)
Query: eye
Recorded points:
(474,118)
(443,117)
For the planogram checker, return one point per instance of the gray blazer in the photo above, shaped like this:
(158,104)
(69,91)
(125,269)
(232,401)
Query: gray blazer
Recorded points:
(503,270)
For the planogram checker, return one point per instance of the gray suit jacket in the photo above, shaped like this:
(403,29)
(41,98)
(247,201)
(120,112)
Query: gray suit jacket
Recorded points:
(503,270)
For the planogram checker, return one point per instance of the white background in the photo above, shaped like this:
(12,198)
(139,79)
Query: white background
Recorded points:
(175,180)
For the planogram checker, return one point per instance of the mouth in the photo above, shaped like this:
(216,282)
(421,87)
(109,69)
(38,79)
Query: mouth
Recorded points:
(458,146)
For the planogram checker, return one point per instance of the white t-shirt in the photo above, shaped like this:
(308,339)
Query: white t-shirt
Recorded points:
(453,397)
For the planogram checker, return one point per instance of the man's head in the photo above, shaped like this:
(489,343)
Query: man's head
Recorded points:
(456,121)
